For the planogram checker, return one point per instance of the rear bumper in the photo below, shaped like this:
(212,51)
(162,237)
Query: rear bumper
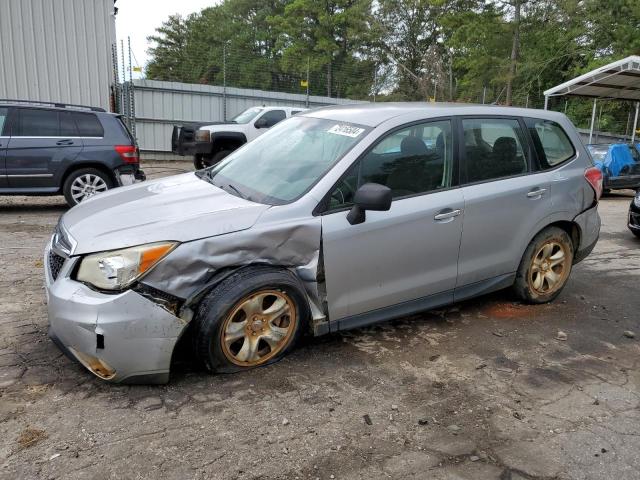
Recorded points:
(589,224)
(128,175)
(623,181)
(121,337)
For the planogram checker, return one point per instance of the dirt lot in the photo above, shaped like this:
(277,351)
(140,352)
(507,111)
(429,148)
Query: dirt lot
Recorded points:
(486,389)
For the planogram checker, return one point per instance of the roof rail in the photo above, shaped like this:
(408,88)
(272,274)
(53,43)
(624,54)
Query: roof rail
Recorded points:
(54,104)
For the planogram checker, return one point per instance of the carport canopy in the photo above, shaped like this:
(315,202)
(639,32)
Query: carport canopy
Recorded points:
(618,80)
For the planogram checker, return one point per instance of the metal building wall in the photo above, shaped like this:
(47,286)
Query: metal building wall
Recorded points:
(57,50)
(160,105)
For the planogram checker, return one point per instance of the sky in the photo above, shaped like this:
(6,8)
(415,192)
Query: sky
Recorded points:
(139,18)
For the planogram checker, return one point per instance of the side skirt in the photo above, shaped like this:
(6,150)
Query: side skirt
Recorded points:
(424,303)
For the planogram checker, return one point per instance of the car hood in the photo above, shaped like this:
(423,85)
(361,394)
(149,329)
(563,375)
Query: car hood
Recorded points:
(182,208)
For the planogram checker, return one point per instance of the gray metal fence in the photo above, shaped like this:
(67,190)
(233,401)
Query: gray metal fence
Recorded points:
(160,105)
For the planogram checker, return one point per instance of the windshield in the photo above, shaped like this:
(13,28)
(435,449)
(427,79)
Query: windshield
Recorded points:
(281,165)
(247,115)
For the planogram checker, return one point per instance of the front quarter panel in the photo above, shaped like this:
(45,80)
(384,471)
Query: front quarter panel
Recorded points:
(283,236)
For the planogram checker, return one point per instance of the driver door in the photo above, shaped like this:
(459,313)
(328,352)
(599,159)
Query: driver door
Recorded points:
(406,258)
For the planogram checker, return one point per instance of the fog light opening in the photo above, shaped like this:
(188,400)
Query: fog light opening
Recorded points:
(98,367)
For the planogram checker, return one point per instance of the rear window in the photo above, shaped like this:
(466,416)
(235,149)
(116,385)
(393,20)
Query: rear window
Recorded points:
(552,143)
(3,117)
(88,124)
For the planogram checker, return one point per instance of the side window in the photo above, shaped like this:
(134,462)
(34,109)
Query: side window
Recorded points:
(67,125)
(295,112)
(410,161)
(551,141)
(494,148)
(88,124)
(273,116)
(37,123)
(4,112)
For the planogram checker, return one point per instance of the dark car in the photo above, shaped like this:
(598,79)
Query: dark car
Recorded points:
(634,215)
(73,150)
(619,164)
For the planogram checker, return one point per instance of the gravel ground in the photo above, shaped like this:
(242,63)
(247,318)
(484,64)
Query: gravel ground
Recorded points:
(485,389)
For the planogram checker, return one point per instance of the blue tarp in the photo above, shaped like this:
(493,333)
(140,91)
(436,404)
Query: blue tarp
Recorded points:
(618,157)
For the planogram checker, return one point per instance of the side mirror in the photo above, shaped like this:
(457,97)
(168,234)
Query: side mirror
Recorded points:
(370,196)
(261,123)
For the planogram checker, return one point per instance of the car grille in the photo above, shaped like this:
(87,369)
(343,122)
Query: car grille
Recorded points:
(55,264)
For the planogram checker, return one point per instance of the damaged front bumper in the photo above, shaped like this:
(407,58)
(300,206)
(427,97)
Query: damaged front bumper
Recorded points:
(122,337)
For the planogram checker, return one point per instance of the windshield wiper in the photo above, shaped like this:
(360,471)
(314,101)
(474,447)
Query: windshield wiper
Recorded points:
(235,190)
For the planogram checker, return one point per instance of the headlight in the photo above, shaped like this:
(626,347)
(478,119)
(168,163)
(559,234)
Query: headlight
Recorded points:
(636,200)
(203,136)
(118,269)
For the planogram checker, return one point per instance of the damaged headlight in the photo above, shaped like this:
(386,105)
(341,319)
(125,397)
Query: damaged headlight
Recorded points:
(118,269)
(636,200)
(203,136)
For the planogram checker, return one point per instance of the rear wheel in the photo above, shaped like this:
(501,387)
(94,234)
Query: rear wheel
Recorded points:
(252,318)
(545,266)
(85,183)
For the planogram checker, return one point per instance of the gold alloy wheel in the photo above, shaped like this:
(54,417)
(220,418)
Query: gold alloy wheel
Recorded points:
(258,328)
(549,269)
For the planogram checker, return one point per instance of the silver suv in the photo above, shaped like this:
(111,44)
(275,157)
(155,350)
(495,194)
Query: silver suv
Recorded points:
(334,219)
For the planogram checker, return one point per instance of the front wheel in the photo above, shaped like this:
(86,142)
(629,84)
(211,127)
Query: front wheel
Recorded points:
(545,266)
(199,162)
(85,183)
(252,318)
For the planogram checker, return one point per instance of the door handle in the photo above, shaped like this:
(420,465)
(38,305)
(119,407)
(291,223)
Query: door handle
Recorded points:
(64,142)
(536,193)
(445,215)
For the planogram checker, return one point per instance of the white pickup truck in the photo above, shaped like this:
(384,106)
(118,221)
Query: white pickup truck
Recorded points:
(211,142)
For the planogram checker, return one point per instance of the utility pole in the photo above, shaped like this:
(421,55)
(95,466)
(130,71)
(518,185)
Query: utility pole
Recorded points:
(375,82)
(514,51)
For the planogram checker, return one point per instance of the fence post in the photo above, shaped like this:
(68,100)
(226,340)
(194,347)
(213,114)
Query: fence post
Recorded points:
(132,97)
(123,106)
(307,102)
(224,82)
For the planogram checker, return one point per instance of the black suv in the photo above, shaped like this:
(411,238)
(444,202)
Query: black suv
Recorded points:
(54,148)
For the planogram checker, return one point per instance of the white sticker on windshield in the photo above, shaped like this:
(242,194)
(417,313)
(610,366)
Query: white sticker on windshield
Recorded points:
(346,130)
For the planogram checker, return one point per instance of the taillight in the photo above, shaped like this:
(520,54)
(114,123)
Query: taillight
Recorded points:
(128,153)
(594,177)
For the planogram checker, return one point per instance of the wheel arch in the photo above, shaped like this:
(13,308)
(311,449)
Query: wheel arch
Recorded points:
(87,164)
(569,226)
(227,141)
(194,300)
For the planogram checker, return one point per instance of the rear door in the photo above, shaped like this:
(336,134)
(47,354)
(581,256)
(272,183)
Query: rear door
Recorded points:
(43,143)
(4,141)
(504,197)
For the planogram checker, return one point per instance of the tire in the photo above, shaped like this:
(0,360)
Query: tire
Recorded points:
(84,183)
(544,269)
(239,307)
(636,233)
(198,162)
